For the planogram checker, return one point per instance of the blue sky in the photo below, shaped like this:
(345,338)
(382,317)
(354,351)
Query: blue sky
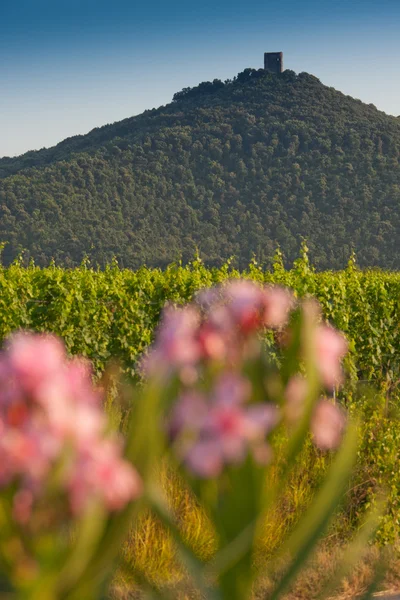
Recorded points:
(67,67)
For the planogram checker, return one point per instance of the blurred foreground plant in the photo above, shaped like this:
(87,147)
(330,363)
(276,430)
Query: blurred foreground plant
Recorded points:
(235,383)
(62,474)
(245,373)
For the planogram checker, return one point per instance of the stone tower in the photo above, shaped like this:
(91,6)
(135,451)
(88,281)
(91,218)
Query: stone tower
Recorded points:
(273,62)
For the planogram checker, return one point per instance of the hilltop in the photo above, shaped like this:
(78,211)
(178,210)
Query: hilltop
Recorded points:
(230,169)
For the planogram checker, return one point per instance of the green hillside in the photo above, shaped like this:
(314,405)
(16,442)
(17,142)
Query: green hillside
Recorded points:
(232,169)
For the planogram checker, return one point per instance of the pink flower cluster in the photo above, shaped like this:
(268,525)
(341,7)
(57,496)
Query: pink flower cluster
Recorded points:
(331,347)
(327,420)
(219,428)
(216,327)
(217,335)
(51,416)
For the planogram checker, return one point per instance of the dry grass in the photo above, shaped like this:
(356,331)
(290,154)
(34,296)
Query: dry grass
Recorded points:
(308,585)
(150,550)
(310,582)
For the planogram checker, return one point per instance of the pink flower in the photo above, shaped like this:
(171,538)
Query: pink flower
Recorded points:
(51,417)
(253,307)
(28,454)
(79,382)
(79,423)
(231,389)
(212,342)
(33,358)
(277,304)
(331,347)
(215,328)
(226,425)
(71,404)
(100,473)
(205,459)
(189,413)
(261,418)
(245,302)
(176,345)
(219,334)
(327,425)
(221,428)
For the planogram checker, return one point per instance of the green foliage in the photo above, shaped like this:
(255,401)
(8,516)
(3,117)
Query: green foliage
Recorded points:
(113,313)
(231,169)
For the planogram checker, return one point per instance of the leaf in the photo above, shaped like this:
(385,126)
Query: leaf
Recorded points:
(353,552)
(189,560)
(310,529)
(89,533)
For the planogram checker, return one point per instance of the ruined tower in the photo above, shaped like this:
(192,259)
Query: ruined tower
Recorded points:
(273,62)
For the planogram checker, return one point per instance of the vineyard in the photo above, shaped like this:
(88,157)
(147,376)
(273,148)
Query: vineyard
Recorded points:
(114,313)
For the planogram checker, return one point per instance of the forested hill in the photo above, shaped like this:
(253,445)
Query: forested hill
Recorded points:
(230,169)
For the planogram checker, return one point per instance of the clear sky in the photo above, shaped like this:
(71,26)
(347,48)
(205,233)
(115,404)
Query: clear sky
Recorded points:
(69,66)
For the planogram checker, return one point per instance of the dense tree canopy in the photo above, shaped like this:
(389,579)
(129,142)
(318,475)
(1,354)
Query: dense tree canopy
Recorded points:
(229,168)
